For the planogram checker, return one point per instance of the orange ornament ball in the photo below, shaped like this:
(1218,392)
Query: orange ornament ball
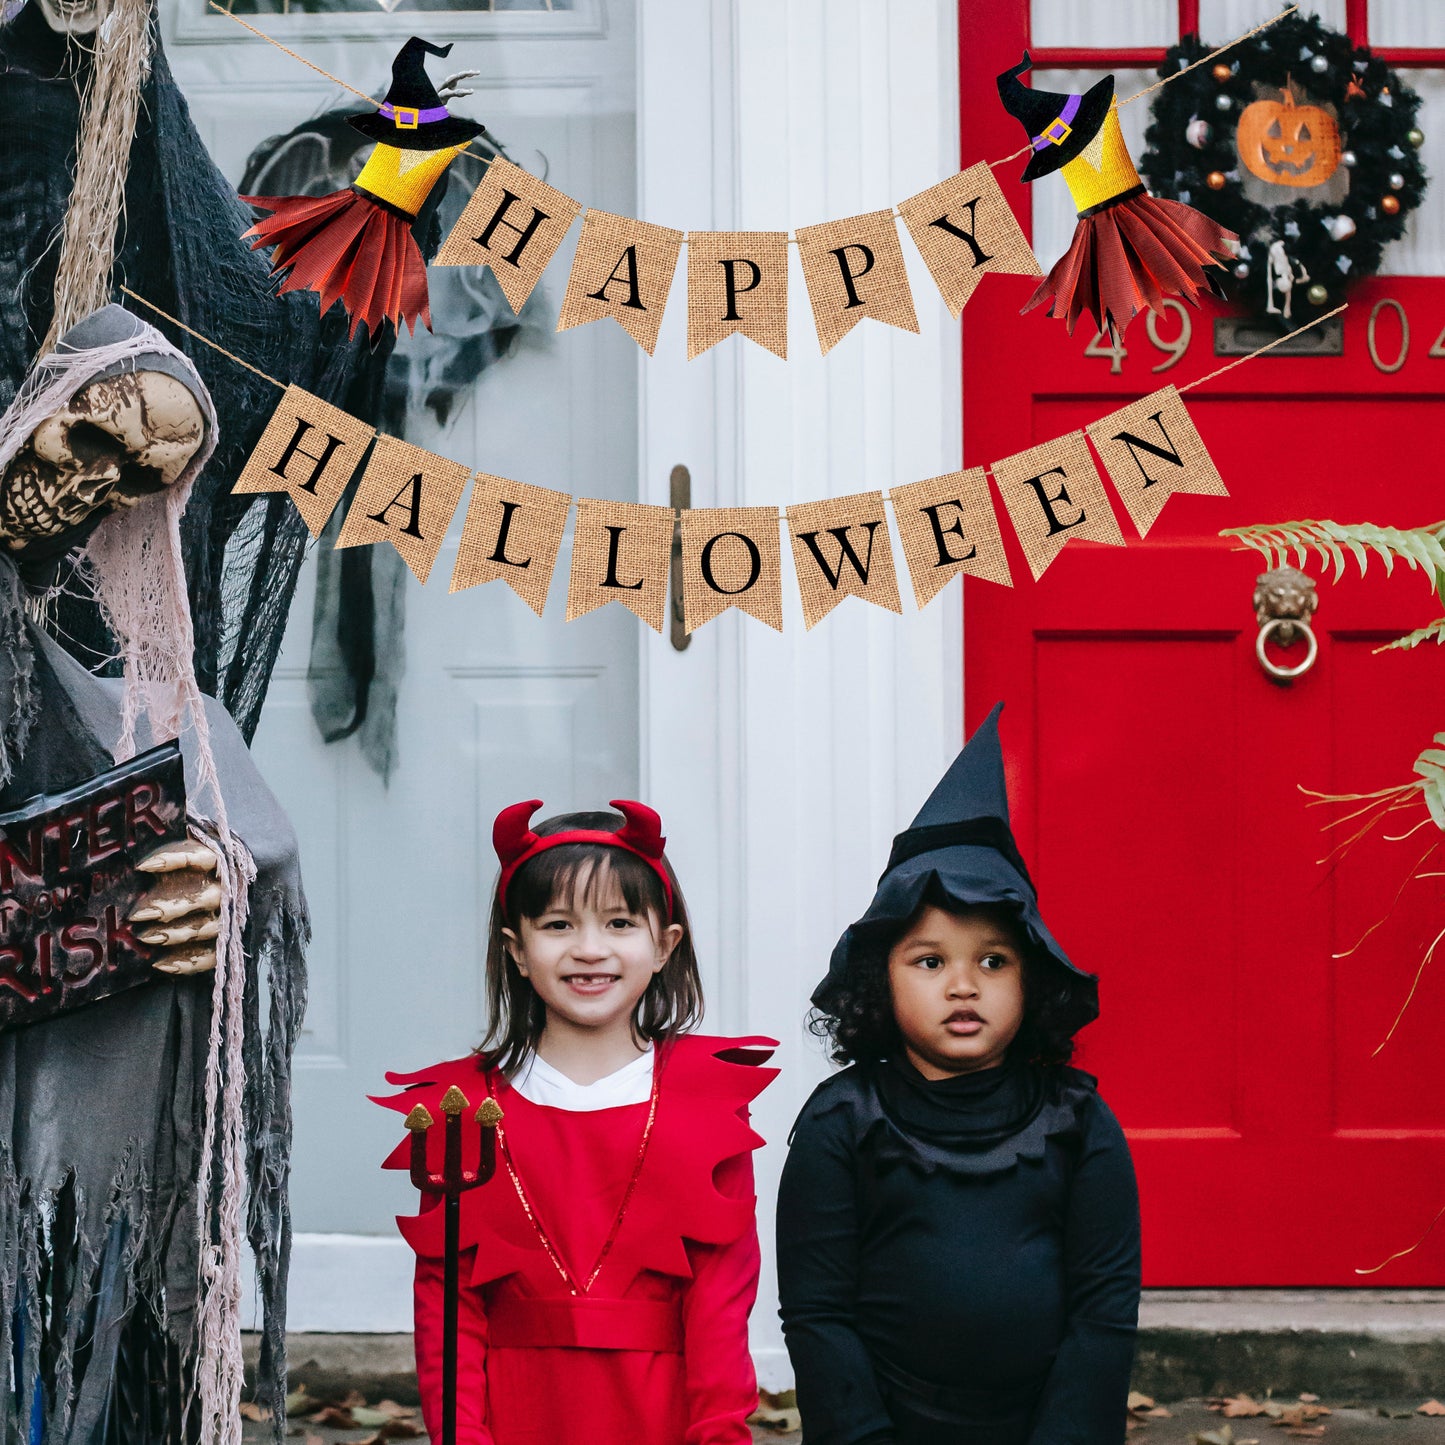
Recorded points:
(1390,205)
(1221,72)
(1215,180)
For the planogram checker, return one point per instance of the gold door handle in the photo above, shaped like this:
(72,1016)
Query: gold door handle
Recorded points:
(1284,602)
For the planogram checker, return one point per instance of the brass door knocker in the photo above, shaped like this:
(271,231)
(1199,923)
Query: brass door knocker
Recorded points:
(1284,601)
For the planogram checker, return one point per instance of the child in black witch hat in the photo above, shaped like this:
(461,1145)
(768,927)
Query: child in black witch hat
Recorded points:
(958,1227)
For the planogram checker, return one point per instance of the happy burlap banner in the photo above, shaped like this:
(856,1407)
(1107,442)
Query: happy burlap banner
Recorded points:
(731,557)
(841,549)
(947,525)
(512,532)
(737,282)
(621,552)
(854,268)
(623,269)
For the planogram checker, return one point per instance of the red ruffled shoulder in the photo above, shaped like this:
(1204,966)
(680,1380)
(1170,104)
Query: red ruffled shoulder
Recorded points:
(705,1088)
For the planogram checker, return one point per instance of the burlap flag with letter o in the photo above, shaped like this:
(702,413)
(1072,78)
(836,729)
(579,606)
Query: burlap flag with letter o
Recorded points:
(623,269)
(621,552)
(947,525)
(406,497)
(512,532)
(309,449)
(841,549)
(737,281)
(1152,450)
(512,223)
(963,227)
(732,557)
(1053,493)
(854,268)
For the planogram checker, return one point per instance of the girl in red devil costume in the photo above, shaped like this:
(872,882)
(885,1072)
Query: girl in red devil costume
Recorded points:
(609,1265)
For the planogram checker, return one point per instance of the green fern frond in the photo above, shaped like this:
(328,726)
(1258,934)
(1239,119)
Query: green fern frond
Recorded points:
(1430,767)
(1417,547)
(1435,629)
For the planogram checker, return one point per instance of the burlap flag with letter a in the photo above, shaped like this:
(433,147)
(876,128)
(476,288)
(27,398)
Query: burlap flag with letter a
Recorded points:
(737,281)
(854,268)
(1151,450)
(963,227)
(623,269)
(947,525)
(1053,493)
(309,449)
(513,532)
(841,549)
(512,223)
(621,552)
(406,497)
(731,557)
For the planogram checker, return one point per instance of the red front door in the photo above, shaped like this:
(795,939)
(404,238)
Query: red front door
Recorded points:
(1157,771)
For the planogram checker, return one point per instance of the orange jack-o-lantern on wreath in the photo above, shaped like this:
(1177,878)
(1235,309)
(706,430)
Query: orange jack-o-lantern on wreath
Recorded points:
(1286,143)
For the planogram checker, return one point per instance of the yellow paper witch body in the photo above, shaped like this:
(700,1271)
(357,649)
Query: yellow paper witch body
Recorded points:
(356,246)
(1130,249)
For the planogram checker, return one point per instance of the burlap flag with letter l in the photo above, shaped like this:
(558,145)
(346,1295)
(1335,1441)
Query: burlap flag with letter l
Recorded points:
(621,552)
(512,532)
(309,449)
(947,525)
(841,549)
(855,268)
(623,269)
(731,557)
(737,281)
(1152,450)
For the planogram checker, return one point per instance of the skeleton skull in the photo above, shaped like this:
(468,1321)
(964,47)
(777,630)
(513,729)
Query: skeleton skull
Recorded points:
(117,440)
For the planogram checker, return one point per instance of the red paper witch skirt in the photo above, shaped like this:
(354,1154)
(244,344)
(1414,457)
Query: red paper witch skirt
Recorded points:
(1127,257)
(348,248)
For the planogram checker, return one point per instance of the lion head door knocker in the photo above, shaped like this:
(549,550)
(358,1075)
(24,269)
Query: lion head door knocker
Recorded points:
(1284,601)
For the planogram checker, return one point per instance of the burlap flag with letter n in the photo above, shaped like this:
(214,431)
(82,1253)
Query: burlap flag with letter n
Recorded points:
(406,496)
(512,223)
(1053,493)
(963,228)
(947,525)
(513,532)
(623,269)
(737,281)
(854,268)
(732,557)
(1152,450)
(309,449)
(841,549)
(621,552)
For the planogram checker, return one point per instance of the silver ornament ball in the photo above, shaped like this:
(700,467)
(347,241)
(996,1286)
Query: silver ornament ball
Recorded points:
(1319,65)
(1416,138)
(1242,270)
(1317,295)
(1222,102)
(1397,181)
(1349,159)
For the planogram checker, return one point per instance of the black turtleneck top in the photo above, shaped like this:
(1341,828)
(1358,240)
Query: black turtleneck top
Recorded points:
(958,1261)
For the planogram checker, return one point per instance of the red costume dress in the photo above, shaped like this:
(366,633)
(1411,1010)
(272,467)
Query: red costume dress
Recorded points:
(612,1259)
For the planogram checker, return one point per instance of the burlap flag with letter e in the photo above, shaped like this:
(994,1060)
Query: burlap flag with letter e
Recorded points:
(854,268)
(841,549)
(621,552)
(406,497)
(623,269)
(1151,450)
(309,449)
(1053,493)
(512,532)
(732,557)
(737,281)
(947,525)
(963,227)
(514,224)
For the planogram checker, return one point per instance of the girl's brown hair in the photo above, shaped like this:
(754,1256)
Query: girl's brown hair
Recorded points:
(673,1002)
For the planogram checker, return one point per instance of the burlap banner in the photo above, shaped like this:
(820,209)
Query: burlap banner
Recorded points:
(309,449)
(406,496)
(841,549)
(732,557)
(947,526)
(854,268)
(621,552)
(737,281)
(1152,450)
(512,223)
(512,532)
(623,269)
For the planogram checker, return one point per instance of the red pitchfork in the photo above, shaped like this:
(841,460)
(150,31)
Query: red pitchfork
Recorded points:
(450,1185)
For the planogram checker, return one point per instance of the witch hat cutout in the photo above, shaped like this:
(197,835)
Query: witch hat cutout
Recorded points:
(1059,126)
(413,116)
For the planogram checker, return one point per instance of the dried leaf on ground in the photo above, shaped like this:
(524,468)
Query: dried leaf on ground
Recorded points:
(298,1402)
(367,1418)
(1138,1401)
(1430,1407)
(250,1410)
(339,1417)
(353,1397)
(1239,1407)
(1222,1436)
(400,1427)
(1309,1398)
(390,1407)
(1158,1413)
(1305,1432)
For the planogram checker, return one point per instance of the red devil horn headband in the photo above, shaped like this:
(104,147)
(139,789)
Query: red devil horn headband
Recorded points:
(640,834)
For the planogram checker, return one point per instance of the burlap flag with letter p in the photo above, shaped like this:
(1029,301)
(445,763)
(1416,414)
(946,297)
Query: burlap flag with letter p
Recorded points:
(963,227)
(513,532)
(1152,450)
(737,281)
(512,223)
(854,268)
(1053,493)
(309,449)
(731,557)
(406,497)
(623,269)
(841,549)
(947,525)
(621,552)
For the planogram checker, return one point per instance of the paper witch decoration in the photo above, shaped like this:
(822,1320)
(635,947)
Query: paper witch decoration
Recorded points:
(1130,249)
(356,246)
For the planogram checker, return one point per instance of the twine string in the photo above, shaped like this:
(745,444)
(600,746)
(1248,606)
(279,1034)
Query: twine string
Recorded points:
(1260,350)
(214,345)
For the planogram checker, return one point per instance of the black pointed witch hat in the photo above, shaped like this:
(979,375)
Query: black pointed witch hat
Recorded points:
(960,852)
(413,117)
(1059,126)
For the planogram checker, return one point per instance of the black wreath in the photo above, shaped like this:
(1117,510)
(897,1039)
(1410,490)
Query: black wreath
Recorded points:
(1377,127)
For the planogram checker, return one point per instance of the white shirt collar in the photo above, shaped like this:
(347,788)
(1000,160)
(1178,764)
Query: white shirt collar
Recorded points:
(539,1083)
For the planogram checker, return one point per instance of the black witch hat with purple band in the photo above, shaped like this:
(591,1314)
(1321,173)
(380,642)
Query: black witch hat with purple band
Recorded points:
(960,852)
(1059,126)
(413,117)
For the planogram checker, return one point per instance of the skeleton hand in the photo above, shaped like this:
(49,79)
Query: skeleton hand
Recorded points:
(185,906)
(450,88)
